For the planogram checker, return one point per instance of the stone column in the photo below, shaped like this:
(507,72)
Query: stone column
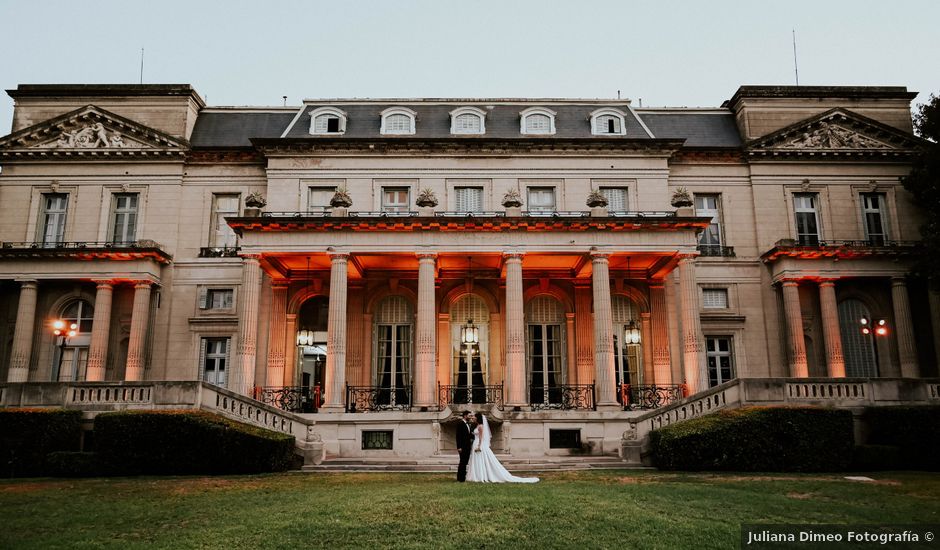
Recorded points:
(934,297)
(604,377)
(659,318)
(692,347)
(904,329)
(336,335)
(835,362)
(277,336)
(791,310)
(242,375)
(646,339)
(425,374)
(571,368)
(23,332)
(134,372)
(100,333)
(515,333)
(290,345)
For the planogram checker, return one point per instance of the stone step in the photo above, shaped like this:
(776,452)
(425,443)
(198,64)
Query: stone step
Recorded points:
(441,468)
(447,463)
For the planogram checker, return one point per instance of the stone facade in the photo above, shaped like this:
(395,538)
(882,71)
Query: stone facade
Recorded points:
(191,243)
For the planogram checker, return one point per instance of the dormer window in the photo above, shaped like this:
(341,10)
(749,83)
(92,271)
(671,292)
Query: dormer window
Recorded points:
(467,120)
(608,122)
(327,120)
(537,120)
(398,121)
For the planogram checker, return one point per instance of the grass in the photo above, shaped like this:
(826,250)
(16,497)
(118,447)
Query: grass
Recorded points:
(597,509)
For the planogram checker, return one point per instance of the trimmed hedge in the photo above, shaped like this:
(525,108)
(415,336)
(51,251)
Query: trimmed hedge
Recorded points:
(913,430)
(28,435)
(758,439)
(72,464)
(187,442)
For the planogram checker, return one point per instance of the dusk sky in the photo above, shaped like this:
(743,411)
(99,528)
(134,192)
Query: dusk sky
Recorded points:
(665,53)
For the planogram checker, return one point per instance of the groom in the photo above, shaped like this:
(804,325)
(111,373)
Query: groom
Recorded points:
(464,444)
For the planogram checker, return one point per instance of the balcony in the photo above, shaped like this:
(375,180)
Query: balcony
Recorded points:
(565,398)
(87,250)
(639,397)
(377,398)
(219,251)
(470,395)
(299,399)
(840,249)
(715,251)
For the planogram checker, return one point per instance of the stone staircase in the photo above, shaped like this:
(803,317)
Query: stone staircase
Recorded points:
(448,463)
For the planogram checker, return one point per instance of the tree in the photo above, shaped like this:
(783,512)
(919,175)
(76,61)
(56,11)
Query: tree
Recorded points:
(924,183)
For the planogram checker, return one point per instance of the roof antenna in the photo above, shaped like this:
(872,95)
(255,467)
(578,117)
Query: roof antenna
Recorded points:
(141,65)
(796,70)
(285,100)
(641,102)
(618,94)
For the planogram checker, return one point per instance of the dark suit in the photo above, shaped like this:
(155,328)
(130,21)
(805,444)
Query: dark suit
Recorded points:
(465,447)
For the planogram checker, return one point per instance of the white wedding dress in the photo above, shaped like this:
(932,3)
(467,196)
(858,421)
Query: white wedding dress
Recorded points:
(484,466)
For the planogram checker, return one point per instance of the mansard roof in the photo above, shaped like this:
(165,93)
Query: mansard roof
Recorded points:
(90,131)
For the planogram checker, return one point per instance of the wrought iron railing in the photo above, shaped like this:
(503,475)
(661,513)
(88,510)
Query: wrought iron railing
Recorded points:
(219,251)
(634,397)
(470,395)
(80,245)
(298,399)
(716,251)
(873,242)
(572,397)
(466,214)
(376,398)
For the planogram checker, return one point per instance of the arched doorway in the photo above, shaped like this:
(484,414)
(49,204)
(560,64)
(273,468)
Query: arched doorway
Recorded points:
(858,349)
(70,359)
(470,362)
(628,355)
(393,329)
(311,341)
(545,339)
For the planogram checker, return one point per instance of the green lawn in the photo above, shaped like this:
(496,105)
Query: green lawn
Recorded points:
(600,509)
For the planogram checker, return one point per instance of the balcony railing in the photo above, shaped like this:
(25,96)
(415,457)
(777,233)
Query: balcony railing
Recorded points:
(80,245)
(716,251)
(573,397)
(219,251)
(634,397)
(298,399)
(328,213)
(377,398)
(472,395)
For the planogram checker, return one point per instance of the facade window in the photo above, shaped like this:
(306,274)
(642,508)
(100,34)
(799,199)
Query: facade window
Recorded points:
(710,206)
(469,199)
(541,199)
(467,120)
(715,298)
(628,356)
(124,216)
(222,206)
(858,349)
(376,439)
(393,330)
(54,208)
(607,122)
(874,213)
(545,322)
(398,121)
(327,120)
(718,353)
(81,313)
(72,359)
(217,298)
(616,198)
(214,359)
(807,218)
(395,199)
(538,121)
(318,198)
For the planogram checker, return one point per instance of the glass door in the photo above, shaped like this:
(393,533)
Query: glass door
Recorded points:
(394,363)
(545,356)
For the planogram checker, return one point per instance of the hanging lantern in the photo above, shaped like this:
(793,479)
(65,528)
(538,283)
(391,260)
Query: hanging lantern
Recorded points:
(631,333)
(304,337)
(469,333)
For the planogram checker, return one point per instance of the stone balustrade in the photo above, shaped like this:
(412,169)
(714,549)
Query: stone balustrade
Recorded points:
(109,394)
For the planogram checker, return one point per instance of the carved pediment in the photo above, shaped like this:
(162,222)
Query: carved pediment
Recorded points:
(835,132)
(90,131)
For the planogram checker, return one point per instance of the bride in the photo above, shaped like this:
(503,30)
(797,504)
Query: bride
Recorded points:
(484,466)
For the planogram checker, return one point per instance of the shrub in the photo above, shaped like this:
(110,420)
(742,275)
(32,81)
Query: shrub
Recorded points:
(915,430)
(770,439)
(28,435)
(72,464)
(871,458)
(187,442)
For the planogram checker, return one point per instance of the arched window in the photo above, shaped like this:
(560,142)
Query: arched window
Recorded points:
(857,348)
(628,355)
(393,322)
(327,120)
(398,121)
(537,120)
(81,313)
(467,120)
(470,360)
(545,324)
(608,122)
(71,354)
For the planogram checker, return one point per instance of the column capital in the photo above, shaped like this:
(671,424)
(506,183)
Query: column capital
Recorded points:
(143,284)
(338,256)
(599,256)
(426,256)
(513,255)
(27,282)
(687,256)
(828,282)
(898,281)
(104,283)
(790,282)
(280,285)
(250,256)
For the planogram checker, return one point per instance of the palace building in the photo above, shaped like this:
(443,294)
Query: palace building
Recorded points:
(363,268)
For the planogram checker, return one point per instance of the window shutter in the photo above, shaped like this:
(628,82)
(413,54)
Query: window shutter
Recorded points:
(203,298)
(319,125)
(715,298)
(202,358)
(616,198)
